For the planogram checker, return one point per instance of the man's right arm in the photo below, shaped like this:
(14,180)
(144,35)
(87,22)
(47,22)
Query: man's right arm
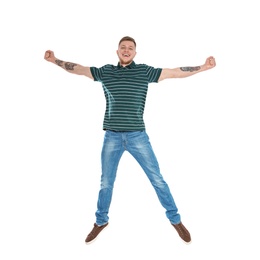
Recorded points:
(68,66)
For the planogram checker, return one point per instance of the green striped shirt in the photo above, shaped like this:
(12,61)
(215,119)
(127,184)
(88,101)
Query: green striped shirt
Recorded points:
(125,90)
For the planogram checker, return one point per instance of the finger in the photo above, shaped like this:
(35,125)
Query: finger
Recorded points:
(211,61)
(47,54)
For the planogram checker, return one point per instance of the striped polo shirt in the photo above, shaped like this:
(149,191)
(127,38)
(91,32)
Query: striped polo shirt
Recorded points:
(125,90)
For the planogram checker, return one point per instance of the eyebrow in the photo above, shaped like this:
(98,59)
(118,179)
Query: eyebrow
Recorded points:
(131,46)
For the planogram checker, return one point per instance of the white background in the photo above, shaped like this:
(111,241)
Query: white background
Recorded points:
(204,130)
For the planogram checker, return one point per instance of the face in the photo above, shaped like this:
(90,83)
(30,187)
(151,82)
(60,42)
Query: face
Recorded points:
(126,52)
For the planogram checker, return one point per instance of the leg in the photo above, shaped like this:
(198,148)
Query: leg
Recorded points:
(111,153)
(139,146)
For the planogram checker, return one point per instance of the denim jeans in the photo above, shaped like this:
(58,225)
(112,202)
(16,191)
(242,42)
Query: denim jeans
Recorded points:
(138,145)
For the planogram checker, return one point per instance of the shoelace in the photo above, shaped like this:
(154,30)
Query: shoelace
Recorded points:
(180,229)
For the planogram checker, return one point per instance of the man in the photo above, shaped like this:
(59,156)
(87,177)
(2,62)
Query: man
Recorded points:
(125,88)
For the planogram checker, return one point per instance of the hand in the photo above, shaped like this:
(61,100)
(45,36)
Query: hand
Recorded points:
(49,56)
(210,62)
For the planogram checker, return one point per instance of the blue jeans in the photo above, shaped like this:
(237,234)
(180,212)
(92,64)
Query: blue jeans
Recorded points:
(138,145)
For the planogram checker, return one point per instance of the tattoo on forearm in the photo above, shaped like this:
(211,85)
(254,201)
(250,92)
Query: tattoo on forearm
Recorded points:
(59,62)
(67,65)
(190,69)
(70,66)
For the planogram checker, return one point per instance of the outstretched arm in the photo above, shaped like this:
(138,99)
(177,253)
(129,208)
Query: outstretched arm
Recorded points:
(183,72)
(68,66)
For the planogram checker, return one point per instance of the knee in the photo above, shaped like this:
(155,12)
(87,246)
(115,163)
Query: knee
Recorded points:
(158,181)
(106,184)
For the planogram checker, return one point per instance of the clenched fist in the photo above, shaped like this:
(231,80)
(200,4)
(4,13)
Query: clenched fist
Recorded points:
(210,62)
(49,56)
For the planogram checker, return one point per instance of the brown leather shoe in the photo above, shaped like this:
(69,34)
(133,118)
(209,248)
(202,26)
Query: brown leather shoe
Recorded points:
(94,233)
(183,232)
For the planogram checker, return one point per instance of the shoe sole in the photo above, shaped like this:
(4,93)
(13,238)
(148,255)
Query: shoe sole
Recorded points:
(187,243)
(90,242)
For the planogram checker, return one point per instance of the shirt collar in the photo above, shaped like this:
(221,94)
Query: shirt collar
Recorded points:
(130,66)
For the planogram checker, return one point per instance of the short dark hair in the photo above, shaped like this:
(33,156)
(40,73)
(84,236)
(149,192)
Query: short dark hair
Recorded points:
(127,38)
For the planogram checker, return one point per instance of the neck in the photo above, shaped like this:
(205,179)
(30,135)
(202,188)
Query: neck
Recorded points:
(123,64)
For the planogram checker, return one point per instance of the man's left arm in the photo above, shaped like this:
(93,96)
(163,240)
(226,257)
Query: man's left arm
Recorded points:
(183,72)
